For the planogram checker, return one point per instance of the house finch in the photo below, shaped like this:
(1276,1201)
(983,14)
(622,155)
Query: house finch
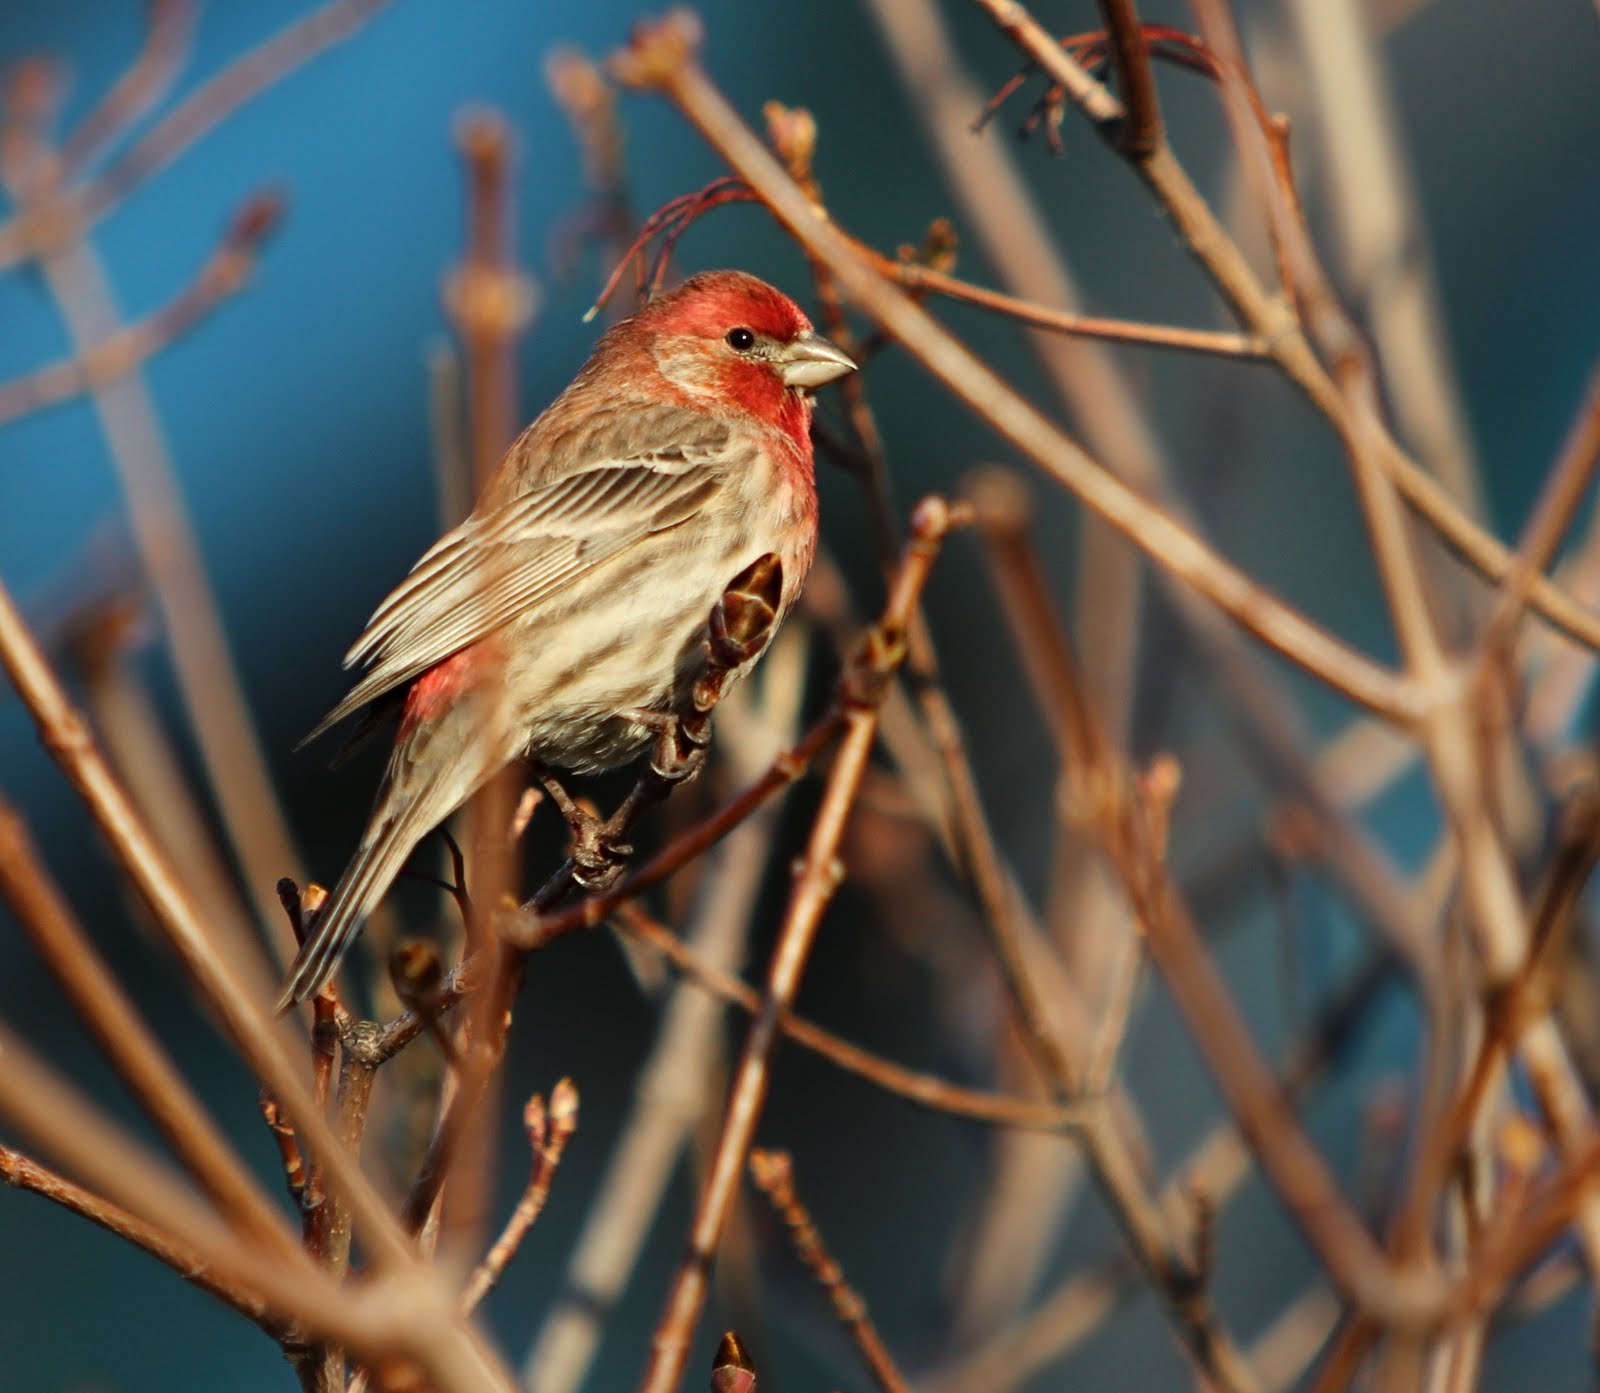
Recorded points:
(564,619)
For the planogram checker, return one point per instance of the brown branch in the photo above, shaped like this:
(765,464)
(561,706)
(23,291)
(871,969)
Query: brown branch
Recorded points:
(1220,1162)
(548,1134)
(1459,733)
(1382,235)
(662,57)
(1117,804)
(1211,342)
(24,1174)
(1274,322)
(208,680)
(290,1157)
(490,301)
(1559,500)
(817,879)
(394,1313)
(127,1044)
(793,134)
(536,928)
(237,1003)
(219,280)
(1139,133)
(169,31)
(925,1090)
(100,645)
(38,230)
(676,1083)
(773,1174)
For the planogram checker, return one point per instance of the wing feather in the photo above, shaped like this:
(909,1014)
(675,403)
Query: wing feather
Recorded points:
(502,564)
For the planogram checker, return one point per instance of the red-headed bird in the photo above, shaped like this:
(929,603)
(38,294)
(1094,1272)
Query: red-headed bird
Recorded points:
(571,606)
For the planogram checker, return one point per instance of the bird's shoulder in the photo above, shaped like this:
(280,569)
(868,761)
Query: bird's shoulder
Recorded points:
(583,431)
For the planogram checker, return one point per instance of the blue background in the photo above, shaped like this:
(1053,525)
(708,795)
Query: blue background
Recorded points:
(298,421)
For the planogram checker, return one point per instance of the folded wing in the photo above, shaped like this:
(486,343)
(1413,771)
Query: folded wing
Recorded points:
(502,564)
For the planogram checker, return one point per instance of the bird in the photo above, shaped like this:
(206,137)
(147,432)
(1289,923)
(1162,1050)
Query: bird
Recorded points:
(564,620)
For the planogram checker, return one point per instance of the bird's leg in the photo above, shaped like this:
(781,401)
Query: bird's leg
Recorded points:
(681,743)
(597,856)
(739,627)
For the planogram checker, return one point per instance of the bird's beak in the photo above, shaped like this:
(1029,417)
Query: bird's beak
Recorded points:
(811,361)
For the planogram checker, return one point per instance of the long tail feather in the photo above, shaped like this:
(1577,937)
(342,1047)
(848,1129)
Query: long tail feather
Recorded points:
(390,838)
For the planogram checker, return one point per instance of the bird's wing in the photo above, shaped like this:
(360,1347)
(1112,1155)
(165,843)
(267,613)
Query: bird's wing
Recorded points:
(500,564)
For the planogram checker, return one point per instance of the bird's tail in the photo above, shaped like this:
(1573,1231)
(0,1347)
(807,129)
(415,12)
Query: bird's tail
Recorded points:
(405,812)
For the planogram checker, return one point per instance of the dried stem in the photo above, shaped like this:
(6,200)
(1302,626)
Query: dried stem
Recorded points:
(394,1313)
(208,682)
(127,350)
(1553,514)
(1274,320)
(675,1085)
(39,230)
(917,276)
(236,1002)
(1117,803)
(773,1174)
(813,889)
(490,301)
(105,1009)
(24,1174)
(662,57)
(925,1090)
(548,1134)
(169,31)
(1140,133)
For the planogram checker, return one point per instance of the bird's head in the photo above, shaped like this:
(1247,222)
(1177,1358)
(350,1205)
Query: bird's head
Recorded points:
(728,335)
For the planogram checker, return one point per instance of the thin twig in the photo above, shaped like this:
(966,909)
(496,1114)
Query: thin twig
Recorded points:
(1220,1162)
(925,1090)
(128,349)
(548,1134)
(1216,343)
(662,58)
(817,879)
(395,1312)
(490,300)
(236,1002)
(1118,805)
(38,231)
(110,1016)
(1140,132)
(1275,321)
(773,1174)
(1382,236)
(168,34)
(26,1174)
(675,1087)
(208,681)
(1553,513)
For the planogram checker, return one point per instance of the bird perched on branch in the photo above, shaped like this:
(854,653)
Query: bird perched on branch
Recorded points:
(565,619)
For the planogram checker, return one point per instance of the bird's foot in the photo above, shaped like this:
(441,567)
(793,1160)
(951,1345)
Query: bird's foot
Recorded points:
(598,860)
(681,743)
(596,853)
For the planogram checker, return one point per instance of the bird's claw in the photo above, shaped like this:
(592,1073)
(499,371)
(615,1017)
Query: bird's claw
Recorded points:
(680,751)
(597,864)
(681,743)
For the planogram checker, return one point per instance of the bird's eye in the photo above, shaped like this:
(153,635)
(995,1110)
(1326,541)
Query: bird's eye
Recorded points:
(741,339)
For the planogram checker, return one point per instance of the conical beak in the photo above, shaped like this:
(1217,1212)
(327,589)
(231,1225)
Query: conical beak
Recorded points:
(811,361)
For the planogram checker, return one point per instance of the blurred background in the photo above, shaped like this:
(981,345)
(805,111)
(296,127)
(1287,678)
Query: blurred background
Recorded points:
(296,419)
